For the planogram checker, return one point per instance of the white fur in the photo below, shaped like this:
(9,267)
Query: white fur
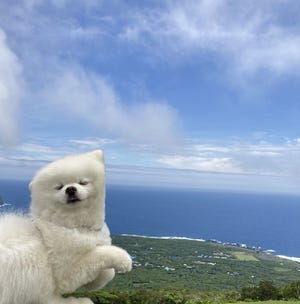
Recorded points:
(61,246)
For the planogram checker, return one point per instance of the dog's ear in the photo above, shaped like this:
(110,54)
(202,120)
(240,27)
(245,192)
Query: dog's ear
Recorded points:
(99,155)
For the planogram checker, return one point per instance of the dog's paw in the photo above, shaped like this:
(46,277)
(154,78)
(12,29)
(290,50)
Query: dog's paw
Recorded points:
(125,264)
(122,260)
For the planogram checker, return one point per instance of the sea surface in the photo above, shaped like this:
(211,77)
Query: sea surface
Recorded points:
(269,221)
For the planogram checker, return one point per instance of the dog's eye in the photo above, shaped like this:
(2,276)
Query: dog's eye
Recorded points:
(59,187)
(83,182)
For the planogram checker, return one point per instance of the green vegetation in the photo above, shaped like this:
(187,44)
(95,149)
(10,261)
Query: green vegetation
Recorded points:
(171,271)
(174,264)
(141,296)
(265,291)
(270,302)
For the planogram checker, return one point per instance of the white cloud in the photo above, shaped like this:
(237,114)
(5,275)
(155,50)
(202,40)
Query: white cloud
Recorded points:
(238,157)
(197,180)
(240,166)
(10,92)
(53,47)
(23,160)
(91,98)
(210,148)
(215,164)
(248,35)
(92,143)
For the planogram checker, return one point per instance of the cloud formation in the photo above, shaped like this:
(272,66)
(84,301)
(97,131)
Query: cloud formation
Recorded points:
(68,52)
(242,166)
(245,37)
(239,157)
(206,164)
(53,56)
(197,180)
(10,92)
(249,35)
(90,97)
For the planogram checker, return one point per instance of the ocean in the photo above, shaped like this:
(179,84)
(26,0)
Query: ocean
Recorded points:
(269,221)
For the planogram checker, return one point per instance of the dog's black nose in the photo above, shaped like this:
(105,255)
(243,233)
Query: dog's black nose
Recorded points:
(71,190)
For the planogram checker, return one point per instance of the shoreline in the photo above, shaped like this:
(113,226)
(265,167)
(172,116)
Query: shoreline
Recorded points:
(244,246)
(295,259)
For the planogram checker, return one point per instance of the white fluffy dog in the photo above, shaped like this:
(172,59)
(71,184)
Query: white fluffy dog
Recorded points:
(65,244)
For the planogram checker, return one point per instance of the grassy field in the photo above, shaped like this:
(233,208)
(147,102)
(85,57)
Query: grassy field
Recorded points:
(244,256)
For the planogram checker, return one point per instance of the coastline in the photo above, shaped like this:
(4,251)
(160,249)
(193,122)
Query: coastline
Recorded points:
(268,251)
(295,259)
(164,237)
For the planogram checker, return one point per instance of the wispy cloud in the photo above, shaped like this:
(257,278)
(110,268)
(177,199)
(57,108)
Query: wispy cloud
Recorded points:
(80,92)
(93,99)
(198,180)
(246,37)
(62,51)
(92,143)
(10,91)
(212,164)
(22,160)
(239,157)
(249,35)
(242,166)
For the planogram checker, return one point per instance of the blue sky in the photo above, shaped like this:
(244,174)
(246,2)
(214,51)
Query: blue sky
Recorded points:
(194,94)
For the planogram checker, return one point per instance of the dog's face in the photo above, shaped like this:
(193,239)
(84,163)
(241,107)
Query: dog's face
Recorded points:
(74,191)
(69,185)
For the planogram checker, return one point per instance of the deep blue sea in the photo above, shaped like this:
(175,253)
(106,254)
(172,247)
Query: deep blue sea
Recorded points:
(265,220)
